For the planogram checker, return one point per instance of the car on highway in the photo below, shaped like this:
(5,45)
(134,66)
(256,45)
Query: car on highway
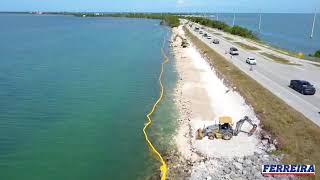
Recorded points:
(216,41)
(233,51)
(200,32)
(196,29)
(205,35)
(209,37)
(251,61)
(303,87)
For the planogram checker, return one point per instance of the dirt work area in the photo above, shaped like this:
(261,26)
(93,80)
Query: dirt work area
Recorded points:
(201,98)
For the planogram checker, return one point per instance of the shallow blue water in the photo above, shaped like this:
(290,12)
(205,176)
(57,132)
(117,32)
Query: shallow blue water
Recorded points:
(74,93)
(289,31)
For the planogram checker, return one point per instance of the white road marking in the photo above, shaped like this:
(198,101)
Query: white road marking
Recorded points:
(299,67)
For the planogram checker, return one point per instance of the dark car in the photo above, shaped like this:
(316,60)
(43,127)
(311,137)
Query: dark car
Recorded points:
(303,87)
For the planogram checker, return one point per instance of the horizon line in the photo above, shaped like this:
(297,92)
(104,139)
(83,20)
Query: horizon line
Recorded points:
(172,12)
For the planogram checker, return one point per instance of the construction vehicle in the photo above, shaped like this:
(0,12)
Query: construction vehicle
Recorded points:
(184,43)
(224,129)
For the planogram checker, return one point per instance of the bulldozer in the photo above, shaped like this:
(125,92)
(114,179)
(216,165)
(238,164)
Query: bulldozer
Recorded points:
(224,129)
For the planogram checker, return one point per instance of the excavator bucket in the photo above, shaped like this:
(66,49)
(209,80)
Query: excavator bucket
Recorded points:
(254,128)
(200,134)
(240,123)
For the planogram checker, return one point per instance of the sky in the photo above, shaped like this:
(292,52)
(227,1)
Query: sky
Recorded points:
(250,6)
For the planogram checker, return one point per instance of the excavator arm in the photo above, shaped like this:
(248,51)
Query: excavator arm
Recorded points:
(241,122)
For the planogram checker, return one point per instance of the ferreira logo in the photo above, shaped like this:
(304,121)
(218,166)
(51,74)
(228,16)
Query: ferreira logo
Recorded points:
(288,170)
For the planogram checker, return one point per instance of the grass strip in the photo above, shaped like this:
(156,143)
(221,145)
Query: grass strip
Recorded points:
(227,38)
(278,49)
(299,138)
(312,58)
(278,59)
(318,65)
(247,47)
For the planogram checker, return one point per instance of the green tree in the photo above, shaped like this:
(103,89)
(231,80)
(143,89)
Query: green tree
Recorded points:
(317,54)
(243,32)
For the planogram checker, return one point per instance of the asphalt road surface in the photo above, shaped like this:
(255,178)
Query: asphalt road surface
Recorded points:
(272,75)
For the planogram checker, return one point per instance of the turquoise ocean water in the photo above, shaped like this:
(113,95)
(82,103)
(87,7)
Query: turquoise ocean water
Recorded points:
(74,93)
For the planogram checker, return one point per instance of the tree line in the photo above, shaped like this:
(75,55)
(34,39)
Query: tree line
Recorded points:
(172,20)
(236,30)
(166,18)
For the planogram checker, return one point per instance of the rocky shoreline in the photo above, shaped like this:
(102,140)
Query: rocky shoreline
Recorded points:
(188,161)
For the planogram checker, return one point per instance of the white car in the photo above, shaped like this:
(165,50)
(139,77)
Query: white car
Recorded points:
(234,51)
(209,37)
(251,61)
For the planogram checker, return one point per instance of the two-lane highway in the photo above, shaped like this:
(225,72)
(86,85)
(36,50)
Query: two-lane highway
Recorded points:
(274,76)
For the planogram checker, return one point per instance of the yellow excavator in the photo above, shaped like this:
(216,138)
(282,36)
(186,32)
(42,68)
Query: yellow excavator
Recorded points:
(224,129)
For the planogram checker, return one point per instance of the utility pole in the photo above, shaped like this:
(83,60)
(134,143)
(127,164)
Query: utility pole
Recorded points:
(260,22)
(234,19)
(313,24)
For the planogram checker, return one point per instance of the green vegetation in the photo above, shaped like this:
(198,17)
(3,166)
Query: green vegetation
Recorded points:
(276,152)
(278,59)
(243,32)
(317,54)
(284,51)
(236,30)
(245,46)
(167,18)
(170,19)
(299,138)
